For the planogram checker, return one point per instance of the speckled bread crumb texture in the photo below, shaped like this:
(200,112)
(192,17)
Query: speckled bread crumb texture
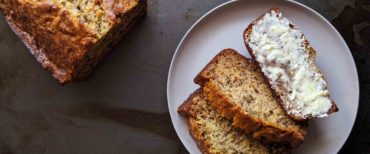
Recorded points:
(238,91)
(215,134)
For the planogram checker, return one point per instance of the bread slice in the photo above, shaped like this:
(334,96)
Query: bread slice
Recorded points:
(215,134)
(70,38)
(288,62)
(237,89)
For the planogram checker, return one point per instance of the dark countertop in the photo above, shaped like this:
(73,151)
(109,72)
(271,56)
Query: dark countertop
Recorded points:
(124,109)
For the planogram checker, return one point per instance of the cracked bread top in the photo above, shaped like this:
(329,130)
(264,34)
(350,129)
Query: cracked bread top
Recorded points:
(61,33)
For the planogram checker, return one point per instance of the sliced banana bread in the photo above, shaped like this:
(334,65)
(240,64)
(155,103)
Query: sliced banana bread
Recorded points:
(215,134)
(237,89)
(70,37)
(288,62)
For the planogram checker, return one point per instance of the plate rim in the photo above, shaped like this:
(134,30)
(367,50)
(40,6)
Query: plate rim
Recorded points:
(191,29)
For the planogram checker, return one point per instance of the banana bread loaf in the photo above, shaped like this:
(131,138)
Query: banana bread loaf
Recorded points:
(70,37)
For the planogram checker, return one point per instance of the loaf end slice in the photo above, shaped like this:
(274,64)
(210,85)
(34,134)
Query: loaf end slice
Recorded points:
(70,38)
(215,134)
(236,88)
(288,62)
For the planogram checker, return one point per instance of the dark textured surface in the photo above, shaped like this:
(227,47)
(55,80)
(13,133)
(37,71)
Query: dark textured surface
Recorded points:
(122,107)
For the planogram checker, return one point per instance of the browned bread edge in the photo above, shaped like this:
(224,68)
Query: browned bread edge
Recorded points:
(261,130)
(185,110)
(312,54)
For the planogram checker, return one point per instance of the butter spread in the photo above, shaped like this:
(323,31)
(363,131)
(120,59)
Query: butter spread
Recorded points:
(283,56)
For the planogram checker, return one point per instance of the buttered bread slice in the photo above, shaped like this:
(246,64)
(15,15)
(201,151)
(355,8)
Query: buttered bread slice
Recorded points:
(236,88)
(288,62)
(215,134)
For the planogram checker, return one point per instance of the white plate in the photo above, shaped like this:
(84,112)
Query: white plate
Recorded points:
(223,27)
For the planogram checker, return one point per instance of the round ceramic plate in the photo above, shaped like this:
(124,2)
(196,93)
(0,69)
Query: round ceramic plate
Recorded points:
(223,27)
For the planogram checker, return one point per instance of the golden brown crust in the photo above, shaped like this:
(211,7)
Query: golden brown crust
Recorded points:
(260,129)
(47,30)
(28,40)
(312,53)
(57,41)
(185,109)
(202,144)
(191,108)
(200,79)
